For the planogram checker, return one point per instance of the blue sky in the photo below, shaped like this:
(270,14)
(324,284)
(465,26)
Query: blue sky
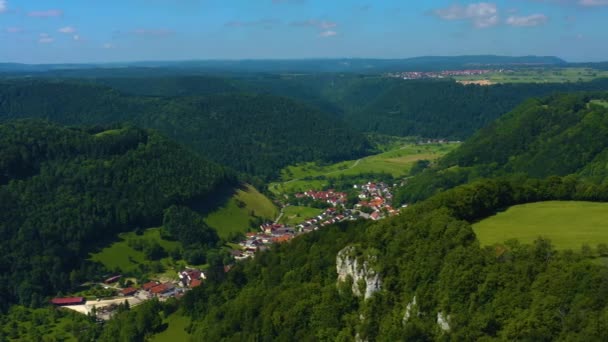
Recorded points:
(52,31)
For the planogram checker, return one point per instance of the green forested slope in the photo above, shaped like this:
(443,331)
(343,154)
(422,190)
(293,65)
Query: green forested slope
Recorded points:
(368,103)
(65,191)
(557,135)
(256,134)
(430,265)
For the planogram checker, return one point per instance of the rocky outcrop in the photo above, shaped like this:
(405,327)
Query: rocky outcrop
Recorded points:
(357,266)
(443,321)
(408,310)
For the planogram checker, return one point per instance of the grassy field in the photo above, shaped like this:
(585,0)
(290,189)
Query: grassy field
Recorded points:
(568,225)
(124,258)
(539,75)
(600,102)
(175,330)
(396,162)
(235,214)
(295,215)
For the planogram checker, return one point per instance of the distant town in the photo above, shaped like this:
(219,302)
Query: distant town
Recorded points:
(415,75)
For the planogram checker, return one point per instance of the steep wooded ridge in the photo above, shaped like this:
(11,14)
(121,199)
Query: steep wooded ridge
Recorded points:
(427,108)
(557,135)
(256,134)
(65,190)
(422,276)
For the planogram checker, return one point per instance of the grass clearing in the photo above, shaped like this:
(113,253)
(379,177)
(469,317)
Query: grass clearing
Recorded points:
(567,224)
(602,103)
(294,214)
(176,329)
(236,214)
(125,259)
(397,162)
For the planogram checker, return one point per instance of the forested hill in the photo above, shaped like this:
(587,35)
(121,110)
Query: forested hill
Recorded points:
(421,276)
(558,135)
(376,104)
(256,134)
(63,190)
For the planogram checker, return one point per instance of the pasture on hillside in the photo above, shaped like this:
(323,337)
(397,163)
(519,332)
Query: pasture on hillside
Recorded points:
(123,257)
(397,162)
(567,224)
(236,215)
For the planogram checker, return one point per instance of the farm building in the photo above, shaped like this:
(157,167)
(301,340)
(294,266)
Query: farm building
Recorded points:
(149,285)
(128,291)
(68,301)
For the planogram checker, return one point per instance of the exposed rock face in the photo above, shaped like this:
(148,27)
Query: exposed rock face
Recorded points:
(348,264)
(408,310)
(442,321)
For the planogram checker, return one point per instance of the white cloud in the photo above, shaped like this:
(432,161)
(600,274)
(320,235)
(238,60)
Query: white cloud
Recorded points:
(153,32)
(531,20)
(67,30)
(481,15)
(591,3)
(328,33)
(320,24)
(45,38)
(46,14)
(3,6)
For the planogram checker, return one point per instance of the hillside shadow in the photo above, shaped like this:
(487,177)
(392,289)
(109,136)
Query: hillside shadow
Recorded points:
(216,200)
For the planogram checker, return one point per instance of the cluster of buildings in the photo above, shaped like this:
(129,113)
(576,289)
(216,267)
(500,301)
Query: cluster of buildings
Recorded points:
(377,197)
(375,201)
(329,196)
(416,75)
(271,233)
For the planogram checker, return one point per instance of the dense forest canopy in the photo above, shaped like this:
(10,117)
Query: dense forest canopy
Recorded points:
(255,134)
(557,135)
(361,65)
(434,280)
(65,190)
(371,103)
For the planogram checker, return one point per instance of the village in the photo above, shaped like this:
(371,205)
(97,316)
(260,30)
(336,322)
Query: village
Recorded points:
(374,202)
(416,75)
(103,309)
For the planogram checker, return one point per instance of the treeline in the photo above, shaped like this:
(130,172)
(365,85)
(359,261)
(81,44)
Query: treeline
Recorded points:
(431,266)
(373,104)
(66,191)
(556,135)
(254,134)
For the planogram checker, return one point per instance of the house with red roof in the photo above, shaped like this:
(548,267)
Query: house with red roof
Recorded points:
(68,301)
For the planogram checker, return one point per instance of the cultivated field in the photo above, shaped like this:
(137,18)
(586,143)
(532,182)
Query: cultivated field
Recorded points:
(396,162)
(568,225)
(537,75)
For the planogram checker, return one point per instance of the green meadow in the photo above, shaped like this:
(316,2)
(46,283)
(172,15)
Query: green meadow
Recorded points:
(176,329)
(295,214)
(122,257)
(235,215)
(568,225)
(539,75)
(396,162)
